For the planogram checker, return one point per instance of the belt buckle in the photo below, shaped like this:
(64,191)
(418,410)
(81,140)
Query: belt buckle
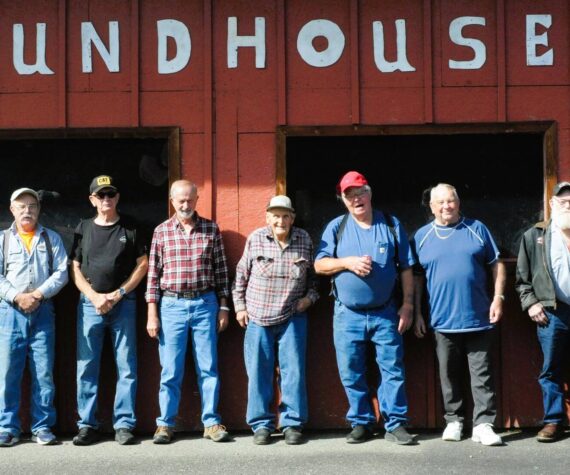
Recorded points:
(190,294)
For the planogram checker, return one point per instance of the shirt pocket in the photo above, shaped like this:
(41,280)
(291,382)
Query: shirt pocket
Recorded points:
(16,258)
(381,252)
(298,268)
(264,266)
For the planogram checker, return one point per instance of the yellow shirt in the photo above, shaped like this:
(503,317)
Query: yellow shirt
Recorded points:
(27,238)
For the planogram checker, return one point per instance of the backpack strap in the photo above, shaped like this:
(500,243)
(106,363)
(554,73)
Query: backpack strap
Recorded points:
(49,250)
(337,235)
(390,224)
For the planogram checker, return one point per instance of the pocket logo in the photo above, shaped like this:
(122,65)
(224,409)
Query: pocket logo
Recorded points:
(123,239)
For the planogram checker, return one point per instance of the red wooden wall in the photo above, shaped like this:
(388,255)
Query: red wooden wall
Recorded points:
(228,119)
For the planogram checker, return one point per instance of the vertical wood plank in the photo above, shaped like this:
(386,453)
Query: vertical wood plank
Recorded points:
(501,63)
(62,64)
(208,187)
(428,62)
(354,63)
(281,64)
(135,63)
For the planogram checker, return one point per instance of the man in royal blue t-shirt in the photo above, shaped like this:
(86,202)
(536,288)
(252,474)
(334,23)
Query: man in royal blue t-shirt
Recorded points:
(454,254)
(364,251)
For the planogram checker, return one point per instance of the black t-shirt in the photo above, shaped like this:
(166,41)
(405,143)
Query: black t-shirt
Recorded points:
(112,254)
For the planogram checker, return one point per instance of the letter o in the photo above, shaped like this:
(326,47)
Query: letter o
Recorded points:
(332,32)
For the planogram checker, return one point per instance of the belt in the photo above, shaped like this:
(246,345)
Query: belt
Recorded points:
(187,294)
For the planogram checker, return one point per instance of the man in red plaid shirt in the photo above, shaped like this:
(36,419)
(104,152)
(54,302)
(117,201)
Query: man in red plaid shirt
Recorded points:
(274,286)
(187,292)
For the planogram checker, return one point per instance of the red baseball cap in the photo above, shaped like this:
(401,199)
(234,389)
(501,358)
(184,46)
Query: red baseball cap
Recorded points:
(350,179)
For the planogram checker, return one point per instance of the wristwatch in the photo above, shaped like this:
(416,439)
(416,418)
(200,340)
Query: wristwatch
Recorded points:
(122,292)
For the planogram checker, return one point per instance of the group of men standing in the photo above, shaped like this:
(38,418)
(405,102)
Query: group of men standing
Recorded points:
(378,279)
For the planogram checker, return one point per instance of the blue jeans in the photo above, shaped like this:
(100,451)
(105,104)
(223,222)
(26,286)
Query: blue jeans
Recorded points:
(121,322)
(289,341)
(198,319)
(554,339)
(26,336)
(353,332)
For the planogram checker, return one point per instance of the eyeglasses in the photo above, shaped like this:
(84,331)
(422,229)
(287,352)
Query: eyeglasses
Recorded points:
(109,194)
(22,207)
(561,201)
(355,193)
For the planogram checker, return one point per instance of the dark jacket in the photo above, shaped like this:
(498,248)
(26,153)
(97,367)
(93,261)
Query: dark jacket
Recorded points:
(534,281)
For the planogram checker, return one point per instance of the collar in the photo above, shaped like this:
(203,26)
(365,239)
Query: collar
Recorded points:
(38,231)
(175,224)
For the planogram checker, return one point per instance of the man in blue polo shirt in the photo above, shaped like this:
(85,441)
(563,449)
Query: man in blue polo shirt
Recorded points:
(454,254)
(364,251)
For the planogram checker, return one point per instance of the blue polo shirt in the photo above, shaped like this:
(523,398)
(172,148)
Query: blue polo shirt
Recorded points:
(374,290)
(455,260)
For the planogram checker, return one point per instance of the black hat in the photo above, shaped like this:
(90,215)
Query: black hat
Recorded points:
(560,187)
(103,181)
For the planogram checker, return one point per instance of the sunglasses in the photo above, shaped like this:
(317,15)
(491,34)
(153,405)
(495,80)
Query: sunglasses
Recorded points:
(109,194)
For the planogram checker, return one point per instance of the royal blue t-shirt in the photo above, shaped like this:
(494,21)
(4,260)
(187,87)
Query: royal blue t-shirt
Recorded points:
(376,288)
(455,259)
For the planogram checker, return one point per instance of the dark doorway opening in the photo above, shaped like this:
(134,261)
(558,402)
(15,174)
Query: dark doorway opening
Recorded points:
(499,177)
(62,163)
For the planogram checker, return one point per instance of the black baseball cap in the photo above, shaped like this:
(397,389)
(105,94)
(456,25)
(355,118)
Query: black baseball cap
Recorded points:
(105,181)
(560,187)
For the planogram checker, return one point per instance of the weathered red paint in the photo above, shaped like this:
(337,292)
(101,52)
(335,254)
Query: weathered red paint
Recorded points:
(228,118)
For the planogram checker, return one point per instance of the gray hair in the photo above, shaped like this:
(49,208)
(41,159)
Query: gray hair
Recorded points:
(181,184)
(446,186)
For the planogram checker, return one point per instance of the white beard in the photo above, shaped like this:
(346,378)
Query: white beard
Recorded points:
(562,220)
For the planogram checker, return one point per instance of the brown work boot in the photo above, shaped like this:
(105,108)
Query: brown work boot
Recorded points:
(217,433)
(163,435)
(550,433)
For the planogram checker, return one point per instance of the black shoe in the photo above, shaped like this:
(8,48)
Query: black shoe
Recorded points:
(124,436)
(262,436)
(293,436)
(86,436)
(401,436)
(359,434)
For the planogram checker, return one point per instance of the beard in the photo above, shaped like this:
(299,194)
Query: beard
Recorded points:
(562,220)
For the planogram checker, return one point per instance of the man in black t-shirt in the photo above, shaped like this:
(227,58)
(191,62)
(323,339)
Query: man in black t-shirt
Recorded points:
(108,262)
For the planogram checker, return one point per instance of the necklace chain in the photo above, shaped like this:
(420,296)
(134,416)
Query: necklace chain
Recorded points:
(438,230)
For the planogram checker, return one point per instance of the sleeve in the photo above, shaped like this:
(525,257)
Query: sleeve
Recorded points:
(417,267)
(328,241)
(221,276)
(312,283)
(404,251)
(76,250)
(141,242)
(243,271)
(154,268)
(57,280)
(523,281)
(7,290)
(491,250)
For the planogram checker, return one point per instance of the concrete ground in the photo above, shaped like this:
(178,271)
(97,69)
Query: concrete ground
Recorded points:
(325,452)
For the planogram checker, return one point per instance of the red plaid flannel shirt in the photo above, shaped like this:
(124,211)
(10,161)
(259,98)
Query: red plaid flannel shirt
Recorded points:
(180,262)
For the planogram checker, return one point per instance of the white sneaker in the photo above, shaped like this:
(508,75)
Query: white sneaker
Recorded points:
(485,434)
(453,431)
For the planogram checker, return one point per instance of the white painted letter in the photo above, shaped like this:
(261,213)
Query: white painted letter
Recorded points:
(109,56)
(18,52)
(401,63)
(333,34)
(179,32)
(256,41)
(477,46)
(533,40)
